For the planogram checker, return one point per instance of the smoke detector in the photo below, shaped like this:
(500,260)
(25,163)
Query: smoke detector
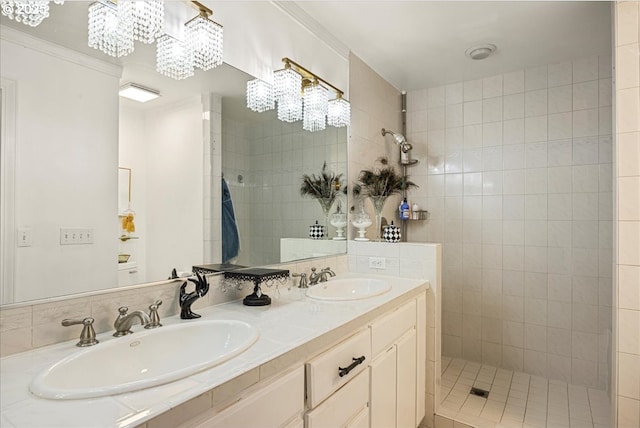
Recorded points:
(480,52)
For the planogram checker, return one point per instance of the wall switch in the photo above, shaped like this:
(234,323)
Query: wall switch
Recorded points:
(377,263)
(75,236)
(25,237)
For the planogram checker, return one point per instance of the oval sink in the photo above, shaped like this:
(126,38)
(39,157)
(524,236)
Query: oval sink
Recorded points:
(348,289)
(144,359)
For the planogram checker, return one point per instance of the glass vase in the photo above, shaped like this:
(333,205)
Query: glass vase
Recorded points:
(326,204)
(378,205)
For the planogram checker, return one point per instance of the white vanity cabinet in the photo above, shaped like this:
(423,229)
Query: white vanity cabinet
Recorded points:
(276,404)
(388,389)
(395,378)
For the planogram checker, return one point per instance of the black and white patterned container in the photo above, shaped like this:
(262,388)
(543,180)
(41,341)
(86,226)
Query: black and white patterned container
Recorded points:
(392,233)
(316,231)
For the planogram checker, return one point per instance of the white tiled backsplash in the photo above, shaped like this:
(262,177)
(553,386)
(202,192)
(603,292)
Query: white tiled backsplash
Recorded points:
(516,174)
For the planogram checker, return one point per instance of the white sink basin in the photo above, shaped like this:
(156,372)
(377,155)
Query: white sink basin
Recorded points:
(144,359)
(348,289)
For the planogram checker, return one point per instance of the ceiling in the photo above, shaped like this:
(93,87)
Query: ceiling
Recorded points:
(419,44)
(412,44)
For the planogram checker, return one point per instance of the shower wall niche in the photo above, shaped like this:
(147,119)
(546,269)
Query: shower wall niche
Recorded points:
(518,183)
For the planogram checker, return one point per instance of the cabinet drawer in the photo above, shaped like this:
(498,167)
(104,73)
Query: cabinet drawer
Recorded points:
(322,372)
(386,330)
(348,405)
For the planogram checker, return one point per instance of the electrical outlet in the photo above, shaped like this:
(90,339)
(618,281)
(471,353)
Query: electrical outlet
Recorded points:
(25,237)
(377,263)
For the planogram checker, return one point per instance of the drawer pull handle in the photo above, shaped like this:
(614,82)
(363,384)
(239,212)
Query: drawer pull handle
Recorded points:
(345,371)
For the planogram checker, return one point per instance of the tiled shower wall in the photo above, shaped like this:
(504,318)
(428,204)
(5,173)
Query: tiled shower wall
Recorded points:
(268,201)
(516,173)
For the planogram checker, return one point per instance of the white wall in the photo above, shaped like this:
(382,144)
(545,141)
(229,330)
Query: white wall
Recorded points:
(516,173)
(57,123)
(132,154)
(174,153)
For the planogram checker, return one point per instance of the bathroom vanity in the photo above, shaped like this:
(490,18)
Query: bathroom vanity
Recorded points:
(290,377)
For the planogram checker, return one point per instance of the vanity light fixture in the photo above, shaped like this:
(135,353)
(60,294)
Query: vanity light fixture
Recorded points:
(114,25)
(259,96)
(204,39)
(31,12)
(296,87)
(173,59)
(138,93)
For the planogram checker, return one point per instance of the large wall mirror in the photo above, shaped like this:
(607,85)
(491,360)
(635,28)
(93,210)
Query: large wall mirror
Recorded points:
(70,145)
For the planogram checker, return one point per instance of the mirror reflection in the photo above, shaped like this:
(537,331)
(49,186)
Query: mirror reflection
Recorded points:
(110,192)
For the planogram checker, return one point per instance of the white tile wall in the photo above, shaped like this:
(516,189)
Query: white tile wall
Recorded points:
(519,189)
(626,299)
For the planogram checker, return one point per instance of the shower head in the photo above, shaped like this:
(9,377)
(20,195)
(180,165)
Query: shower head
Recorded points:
(399,138)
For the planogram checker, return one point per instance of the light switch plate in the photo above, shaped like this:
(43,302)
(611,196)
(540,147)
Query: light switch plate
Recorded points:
(25,237)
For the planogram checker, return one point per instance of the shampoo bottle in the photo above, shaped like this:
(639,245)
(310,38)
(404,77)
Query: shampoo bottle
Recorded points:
(404,210)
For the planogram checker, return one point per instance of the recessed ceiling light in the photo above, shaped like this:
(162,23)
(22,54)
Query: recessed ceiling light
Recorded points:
(138,93)
(480,52)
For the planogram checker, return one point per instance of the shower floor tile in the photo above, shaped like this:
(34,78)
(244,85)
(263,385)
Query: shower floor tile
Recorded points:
(517,400)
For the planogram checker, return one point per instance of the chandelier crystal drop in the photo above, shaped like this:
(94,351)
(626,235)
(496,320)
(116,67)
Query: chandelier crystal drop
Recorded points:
(259,96)
(316,102)
(286,84)
(286,88)
(148,20)
(204,39)
(111,27)
(290,109)
(173,59)
(29,12)
(339,112)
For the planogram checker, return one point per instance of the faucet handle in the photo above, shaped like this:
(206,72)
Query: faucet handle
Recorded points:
(153,315)
(88,334)
(123,310)
(303,279)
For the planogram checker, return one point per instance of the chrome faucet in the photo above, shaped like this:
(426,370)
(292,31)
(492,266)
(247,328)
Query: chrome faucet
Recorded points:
(153,315)
(124,321)
(303,279)
(88,334)
(314,278)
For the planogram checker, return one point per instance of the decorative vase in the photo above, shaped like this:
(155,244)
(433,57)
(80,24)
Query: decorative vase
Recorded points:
(392,233)
(339,221)
(326,204)
(361,221)
(316,231)
(378,205)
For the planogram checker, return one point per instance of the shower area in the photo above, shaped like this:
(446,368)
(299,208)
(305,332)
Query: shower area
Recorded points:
(517,173)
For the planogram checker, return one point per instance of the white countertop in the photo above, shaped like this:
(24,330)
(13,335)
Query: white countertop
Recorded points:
(290,321)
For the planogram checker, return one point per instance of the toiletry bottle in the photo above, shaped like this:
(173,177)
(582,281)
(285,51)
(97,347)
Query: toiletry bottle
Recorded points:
(404,210)
(414,211)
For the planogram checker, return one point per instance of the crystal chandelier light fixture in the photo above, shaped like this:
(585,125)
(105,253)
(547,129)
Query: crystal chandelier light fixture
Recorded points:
(31,12)
(173,59)
(316,103)
(204,39)
(313,106)
(114,25)
(286,87)
(339,112)
(111,27)
(259,96)
(148,20)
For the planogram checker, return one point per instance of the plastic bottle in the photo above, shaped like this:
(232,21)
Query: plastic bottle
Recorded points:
(414,211)
(404,210)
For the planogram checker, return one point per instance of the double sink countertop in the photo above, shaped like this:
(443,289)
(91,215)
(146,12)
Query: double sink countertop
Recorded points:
(292,329)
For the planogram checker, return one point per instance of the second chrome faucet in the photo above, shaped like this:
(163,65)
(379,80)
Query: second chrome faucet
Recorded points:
(125,320)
